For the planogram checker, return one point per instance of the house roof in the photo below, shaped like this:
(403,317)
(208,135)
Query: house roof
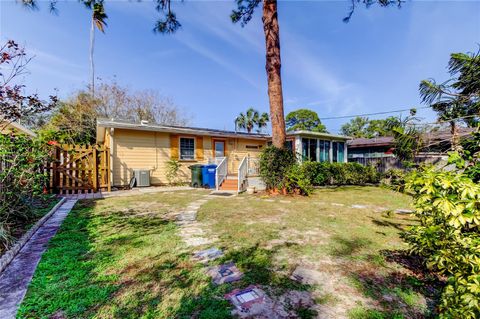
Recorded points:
(102,124)
(15,127)
(318,135)
(430,138)
(368,142)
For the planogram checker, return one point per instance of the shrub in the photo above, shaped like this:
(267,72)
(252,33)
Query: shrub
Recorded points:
(173,168)
(326,173)
(22,180)
(448,236)
(275,163)
(296,181)
(395,179)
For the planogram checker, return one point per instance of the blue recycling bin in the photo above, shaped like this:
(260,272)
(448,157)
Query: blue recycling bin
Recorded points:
(208,175)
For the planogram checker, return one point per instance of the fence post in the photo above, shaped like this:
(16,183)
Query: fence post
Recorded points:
(95,170)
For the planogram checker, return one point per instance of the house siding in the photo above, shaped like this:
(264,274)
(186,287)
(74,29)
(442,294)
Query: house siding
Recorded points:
(135,149)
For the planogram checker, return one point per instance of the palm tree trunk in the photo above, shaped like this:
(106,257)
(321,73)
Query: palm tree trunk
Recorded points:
(273,65)
(92,65)
(454,132)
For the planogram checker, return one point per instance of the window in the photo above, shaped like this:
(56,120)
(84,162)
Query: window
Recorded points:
(324,151)
(309,149)
(187,148)
(289,145)
(338,151)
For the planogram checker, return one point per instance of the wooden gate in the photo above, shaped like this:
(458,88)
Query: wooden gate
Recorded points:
(79,169)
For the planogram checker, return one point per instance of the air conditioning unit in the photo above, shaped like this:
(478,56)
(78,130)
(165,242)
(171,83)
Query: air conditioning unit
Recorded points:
(142,177)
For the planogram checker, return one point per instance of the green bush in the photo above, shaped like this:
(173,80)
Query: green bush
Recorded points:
(325,173)
(448,236)
(394,179)
(22,180)
(275,163)
(297,182)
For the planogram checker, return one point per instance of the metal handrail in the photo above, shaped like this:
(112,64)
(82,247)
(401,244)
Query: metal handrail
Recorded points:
(242,173)
(221,171)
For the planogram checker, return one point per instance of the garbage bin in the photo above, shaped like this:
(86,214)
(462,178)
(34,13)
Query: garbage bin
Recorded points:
(208,175)
(196,175)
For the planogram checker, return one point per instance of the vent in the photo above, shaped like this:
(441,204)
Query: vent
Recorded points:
(142,177)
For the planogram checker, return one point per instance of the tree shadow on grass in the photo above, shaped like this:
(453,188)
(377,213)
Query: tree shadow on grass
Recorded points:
(413,294)
(389,223)
(348,247)
(185,281)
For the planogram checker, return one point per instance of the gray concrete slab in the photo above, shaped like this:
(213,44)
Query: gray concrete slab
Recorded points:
(14,280)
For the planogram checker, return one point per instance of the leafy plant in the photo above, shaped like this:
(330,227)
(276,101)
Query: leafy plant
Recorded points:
(447,206)
(394,178)
(22,181)
(275,164)
(297,182)
(173,168)
(326,173)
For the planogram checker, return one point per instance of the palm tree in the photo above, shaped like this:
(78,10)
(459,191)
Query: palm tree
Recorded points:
(98,19)
(250,119)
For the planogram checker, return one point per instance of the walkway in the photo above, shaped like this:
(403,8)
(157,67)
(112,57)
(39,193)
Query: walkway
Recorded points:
(16,277)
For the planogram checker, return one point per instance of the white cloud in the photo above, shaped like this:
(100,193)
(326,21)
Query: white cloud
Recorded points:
(305,63)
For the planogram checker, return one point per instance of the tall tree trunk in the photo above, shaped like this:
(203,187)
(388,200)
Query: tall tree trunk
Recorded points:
(273,65)
(92,66)
(455,138)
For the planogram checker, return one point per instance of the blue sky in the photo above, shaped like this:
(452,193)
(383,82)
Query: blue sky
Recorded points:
(214,69)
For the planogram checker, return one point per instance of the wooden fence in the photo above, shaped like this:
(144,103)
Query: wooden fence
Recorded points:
(383,164)
(77,169)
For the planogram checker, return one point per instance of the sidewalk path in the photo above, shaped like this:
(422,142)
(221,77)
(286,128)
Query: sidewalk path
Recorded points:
(15,279)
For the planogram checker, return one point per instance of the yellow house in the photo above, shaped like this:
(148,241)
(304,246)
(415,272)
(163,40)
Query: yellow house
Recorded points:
(150,146)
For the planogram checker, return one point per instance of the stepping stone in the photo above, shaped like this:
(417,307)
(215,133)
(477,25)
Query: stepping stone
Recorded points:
(269,200)
(187,216)
(404,211)
(359,206)
(225,273)
(337,204)
(252,302)
(285,201)
(197,241)
(207,255)
(308,276)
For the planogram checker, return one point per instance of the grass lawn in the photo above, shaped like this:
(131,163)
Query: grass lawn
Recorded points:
(123,257)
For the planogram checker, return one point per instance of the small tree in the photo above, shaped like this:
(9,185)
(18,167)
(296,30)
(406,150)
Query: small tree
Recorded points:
(304,120)
(14,104)
(448,236)
(251,119)
(457,99)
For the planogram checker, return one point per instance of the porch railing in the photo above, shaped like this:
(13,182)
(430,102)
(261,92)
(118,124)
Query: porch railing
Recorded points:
(253,166)
(221,172)
(242,173)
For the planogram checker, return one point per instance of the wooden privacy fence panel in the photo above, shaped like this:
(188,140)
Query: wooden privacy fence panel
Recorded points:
(79,169)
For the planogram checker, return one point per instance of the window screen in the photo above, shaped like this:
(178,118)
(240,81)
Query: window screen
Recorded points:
(187,148)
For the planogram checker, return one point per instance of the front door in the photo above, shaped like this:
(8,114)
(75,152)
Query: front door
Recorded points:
(219,148)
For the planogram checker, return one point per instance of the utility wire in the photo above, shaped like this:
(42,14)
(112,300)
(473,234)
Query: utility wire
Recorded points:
(377,113)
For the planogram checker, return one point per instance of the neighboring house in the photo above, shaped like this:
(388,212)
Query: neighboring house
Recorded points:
(318,147)
(151,146)
(377,147)
(435,143)
(15,128)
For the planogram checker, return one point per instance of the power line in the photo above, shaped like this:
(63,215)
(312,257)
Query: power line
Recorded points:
(368,114)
